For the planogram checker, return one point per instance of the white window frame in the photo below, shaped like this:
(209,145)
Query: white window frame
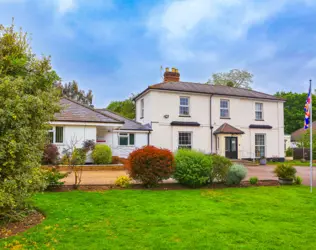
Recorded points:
(261,145)
(142,108)
(126,135)
(261,119)
(53,130)
(228,109)
(187,132)
(185,106)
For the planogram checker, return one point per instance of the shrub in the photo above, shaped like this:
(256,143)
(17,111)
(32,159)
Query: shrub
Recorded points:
(64,160)
(78,156)
(102,154)
(289,152)
(53,177)
(298,180)
(193,168)
(236,174)
(88,145)
(285,171)
(220,168)
(253,180)
(150,165)
(123,181)
(51,154)
(115,160)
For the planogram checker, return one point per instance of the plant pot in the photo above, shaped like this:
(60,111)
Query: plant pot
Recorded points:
(285,181)
(263,161)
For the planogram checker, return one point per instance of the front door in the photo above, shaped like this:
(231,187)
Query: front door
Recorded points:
(231,147)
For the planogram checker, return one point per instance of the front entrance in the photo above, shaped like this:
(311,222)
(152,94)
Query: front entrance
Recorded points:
(231,147)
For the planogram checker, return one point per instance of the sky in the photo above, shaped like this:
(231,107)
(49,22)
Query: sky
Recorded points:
(117,47)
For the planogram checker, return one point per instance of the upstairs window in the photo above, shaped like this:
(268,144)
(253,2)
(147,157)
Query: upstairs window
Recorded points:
(259,111)
(142,108)
(126,139)
(224,108)
(185,140)
(184,106)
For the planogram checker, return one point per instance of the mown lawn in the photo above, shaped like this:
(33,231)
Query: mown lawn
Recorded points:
(233,218)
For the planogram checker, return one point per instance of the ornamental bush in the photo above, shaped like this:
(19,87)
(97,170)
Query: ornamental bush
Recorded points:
(78,156)
(150,165)
(53,177)
(51,154)
(193,168)
(285,171)
(220,168)
(123,181)
(236,174)
(253,180)
(102,154)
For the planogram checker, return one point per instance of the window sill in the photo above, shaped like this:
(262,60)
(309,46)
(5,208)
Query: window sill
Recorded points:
(141,117)
(227,118)
(184,116)
(260,120)
(126,146)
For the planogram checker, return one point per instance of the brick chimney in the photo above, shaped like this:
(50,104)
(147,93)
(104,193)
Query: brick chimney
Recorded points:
(171,76)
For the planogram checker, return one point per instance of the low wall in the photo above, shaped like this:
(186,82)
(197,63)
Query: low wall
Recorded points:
(109,167)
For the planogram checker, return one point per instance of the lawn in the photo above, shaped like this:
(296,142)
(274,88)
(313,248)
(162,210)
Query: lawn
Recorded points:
(232,218)
(292,163)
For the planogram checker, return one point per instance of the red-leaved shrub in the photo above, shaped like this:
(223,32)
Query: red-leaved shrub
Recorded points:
(115,160)
(51,154)
(150,165)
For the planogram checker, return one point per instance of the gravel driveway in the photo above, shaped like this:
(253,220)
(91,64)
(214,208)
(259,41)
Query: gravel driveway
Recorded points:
(109,177)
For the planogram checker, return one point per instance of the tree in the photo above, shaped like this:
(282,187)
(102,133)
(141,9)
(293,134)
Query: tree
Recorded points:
(233,78)
(125,108)
(28,101)
(72,91)
(294,110)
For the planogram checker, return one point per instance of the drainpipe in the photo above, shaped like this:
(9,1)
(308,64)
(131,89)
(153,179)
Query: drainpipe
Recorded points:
(211,127)
(148,138)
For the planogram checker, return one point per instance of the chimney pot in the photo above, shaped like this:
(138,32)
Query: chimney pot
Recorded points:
(167,69)
(172,76)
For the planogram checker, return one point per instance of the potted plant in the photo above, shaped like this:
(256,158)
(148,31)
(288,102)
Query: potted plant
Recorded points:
(263,160)
(286,173)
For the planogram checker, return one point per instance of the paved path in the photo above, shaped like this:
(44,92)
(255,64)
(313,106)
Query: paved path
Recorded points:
(109,177)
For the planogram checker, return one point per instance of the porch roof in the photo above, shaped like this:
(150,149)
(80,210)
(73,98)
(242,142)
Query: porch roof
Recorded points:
(73,111)
(227,129)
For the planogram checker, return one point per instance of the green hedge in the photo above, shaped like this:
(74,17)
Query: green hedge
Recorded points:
(102,154)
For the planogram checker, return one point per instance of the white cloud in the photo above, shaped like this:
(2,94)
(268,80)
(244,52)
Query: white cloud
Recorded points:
(64,6)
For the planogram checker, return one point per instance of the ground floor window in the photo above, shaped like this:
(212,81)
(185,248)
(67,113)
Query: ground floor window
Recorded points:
(126,139)
(260,145)
(185,140)
(56,135)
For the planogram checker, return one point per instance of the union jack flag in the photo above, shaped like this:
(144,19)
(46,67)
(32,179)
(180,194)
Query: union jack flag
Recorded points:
(307,109)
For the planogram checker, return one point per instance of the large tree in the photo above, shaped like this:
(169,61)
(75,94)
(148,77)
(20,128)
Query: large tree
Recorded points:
(28,100)
(233,78)
(294,110)
(125,108)
(71,90)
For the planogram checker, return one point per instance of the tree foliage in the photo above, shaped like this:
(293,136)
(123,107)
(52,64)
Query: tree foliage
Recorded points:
(72,91)
(125,108)
(233,78)
(28,100)
(294,110)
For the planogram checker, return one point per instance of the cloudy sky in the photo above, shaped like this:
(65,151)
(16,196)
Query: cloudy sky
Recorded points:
(116,47)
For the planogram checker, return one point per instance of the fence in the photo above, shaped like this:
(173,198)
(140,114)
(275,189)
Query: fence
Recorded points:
(301,153)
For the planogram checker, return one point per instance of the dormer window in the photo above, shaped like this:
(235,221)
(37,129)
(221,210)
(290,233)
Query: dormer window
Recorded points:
(184,106)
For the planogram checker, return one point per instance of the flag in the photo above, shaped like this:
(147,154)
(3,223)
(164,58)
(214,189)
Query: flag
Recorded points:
(307,109)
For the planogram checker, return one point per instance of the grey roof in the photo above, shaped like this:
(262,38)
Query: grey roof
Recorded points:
(297,135)
(128,123)
(210,89)
(73,111)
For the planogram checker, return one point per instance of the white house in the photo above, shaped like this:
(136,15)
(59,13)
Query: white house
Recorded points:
(234,122)
(77,123)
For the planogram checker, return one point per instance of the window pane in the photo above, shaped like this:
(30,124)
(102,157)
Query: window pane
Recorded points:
(259,106)
(184,101)
(185,140)
(184,110)
(260,145)
(258,115)
(224,113)
(59,135)
(123,141)
(224,103)
(131,139)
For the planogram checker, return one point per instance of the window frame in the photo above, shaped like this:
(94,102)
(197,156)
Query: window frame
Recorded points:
(258,111)
(53,130)
(184,106)
(185,146)
(264,145)
(128,136)
(228,109)
(142,108)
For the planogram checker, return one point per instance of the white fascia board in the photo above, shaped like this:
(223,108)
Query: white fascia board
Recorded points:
(86,124)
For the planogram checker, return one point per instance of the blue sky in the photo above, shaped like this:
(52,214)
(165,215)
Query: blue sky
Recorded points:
(116,47)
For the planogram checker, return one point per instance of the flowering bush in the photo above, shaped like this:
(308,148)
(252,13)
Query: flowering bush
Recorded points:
(115,160)
(150,165)
(123,181)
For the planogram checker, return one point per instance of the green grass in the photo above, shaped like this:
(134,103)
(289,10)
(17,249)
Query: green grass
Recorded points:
(232,218)
(292,163)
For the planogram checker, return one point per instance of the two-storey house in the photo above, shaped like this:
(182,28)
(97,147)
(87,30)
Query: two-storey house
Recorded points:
(234,122)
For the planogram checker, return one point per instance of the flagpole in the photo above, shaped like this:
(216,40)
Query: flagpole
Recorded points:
(311,137)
